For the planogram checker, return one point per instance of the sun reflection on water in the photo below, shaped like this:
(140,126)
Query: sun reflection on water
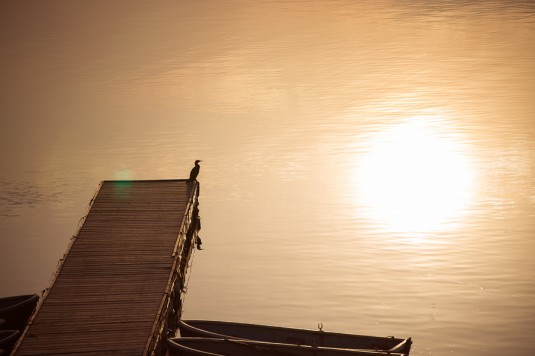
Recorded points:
(414,177)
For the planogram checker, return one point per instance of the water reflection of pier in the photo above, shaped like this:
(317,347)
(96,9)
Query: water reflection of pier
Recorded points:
(118,289)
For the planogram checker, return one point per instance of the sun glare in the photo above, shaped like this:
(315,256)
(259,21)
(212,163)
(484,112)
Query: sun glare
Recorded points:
(413,179)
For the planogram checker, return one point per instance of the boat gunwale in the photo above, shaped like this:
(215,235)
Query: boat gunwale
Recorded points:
(283,328)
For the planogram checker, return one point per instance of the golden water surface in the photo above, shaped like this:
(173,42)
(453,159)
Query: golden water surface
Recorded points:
(367,165)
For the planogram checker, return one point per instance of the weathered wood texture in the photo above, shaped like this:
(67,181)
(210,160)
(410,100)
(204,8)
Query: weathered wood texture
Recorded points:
(118,289)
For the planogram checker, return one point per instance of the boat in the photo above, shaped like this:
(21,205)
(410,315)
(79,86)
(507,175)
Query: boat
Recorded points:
(17,310)
(8,339)
(201,346)
(276,334)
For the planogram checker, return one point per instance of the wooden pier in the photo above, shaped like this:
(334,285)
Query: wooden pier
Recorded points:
(118,289)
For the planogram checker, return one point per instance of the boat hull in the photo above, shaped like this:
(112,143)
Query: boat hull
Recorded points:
(16,310)
(221,329)
(193,346)
(8,339)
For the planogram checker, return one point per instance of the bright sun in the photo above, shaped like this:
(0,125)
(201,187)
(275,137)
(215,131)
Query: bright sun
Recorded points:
(413,179)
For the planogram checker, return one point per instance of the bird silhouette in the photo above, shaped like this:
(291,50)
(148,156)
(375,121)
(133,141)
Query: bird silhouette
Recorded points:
(195,171)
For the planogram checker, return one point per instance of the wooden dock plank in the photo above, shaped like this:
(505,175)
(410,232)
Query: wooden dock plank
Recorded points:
(109,291)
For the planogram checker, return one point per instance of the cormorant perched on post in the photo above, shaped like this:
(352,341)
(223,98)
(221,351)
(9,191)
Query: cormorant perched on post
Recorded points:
(195,171)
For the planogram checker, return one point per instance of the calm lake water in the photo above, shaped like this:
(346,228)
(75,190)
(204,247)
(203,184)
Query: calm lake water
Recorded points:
(367,165)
